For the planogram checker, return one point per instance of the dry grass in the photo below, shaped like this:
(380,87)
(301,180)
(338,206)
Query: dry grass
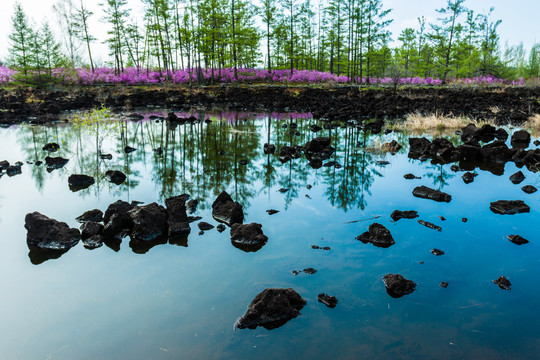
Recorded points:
(437,123)
(533,125)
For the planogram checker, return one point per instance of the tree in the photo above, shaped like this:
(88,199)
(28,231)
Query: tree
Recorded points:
(82,15)
(21,39)
(489,43)
(376,33)
(533,65)
(116,15)
(67,16)
(446,30)
(49,49)
(267,11)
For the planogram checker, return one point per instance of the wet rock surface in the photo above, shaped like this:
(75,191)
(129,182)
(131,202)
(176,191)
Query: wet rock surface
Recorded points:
(437,252)
(407,214)
(115,176)
(327,300)
(309,271)
(149,222)
(177,219)
(78,182)
(248,237)
(49,234)
(427,193)
(227,211)
(517,239)
(91,215)
(503,283)
(271,309)
(377,235)
(509,207)
(397,286)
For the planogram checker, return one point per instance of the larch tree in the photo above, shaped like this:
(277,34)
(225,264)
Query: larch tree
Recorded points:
(21,39)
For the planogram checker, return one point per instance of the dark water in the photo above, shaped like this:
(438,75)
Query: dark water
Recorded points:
(178,302)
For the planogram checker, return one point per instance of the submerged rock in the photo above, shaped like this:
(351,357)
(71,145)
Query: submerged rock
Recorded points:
(509,207)
(227,211)
(427,193)
(327,300)
(529,189)
(50,234)
(115,176)
(78,182)
(271,309)
(437,252)
(518,240)
(429,225)
(503,283)
(407,214)
(444,284)
(248,237)
(272,211)
(378,235)
(517,177)
(397,286)
(91,215)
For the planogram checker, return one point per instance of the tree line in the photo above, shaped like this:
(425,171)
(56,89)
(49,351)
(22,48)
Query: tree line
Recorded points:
(343,37)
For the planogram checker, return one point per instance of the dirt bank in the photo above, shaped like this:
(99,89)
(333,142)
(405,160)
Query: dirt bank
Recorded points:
(501,105)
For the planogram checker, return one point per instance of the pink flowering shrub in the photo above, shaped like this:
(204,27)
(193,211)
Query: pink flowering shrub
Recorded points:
(134,76)
(6,75)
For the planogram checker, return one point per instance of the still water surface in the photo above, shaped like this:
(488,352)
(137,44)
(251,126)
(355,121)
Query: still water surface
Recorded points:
(181,302)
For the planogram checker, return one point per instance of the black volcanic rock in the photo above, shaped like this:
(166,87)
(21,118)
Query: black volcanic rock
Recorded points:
(427,193)
(509,207)
(397,286)
(378,235)
(271,309)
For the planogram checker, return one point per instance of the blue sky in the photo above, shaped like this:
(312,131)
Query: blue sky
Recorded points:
(520,18)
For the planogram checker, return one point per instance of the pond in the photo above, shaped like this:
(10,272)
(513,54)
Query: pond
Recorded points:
(180,300)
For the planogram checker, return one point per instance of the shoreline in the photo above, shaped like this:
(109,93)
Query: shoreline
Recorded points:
(499,105)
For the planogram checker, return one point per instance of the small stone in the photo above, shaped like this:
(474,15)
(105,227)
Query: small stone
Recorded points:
(444,284)
(454,168)
(221,228)
(529,189)
(308,186)
(427,193)
(283,190)
(503,283)
(464,220)
(509,207)
(243,162)
(429,225)
(310,271)
(468,177)
(397,286)
(378,235)
(517,177)
(442,218)
(272,211)
(411,176)
(437,252)
(518,240)
(204,226)
(91,215)
(129,149)
(327,300)
(407,214)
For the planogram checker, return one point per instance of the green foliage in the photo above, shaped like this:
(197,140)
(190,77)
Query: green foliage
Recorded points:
(100,123)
